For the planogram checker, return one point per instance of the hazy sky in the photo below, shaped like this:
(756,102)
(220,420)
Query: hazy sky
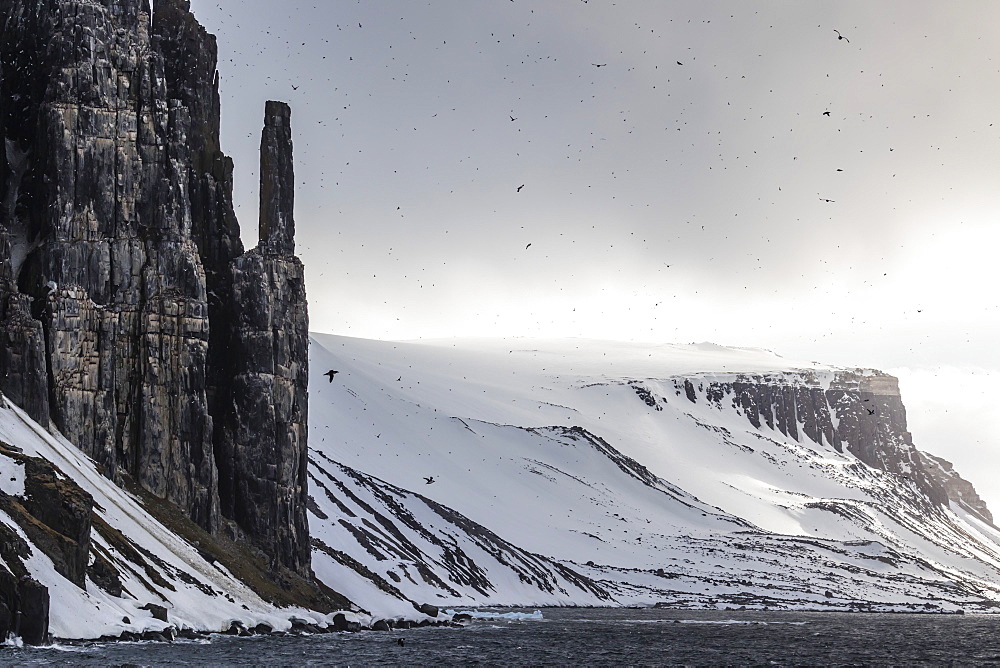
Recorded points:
(682,179)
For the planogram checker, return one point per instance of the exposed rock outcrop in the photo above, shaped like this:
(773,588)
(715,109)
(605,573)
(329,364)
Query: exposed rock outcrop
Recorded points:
(129,315)
(860,411)
(24,602)
(54,513)
(960,491)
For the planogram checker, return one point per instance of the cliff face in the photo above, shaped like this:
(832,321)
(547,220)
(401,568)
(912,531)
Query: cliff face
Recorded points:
(960,491)
(118,254)
(861,412)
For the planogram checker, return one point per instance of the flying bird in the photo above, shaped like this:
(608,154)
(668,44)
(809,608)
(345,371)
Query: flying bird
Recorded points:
(680,63)
(519,187)
(527,247)
(823,199)
(512,119)
(331,373)
(596,65)
(826,113)
(429,480)
(841,37)
(294,87)
(871,411)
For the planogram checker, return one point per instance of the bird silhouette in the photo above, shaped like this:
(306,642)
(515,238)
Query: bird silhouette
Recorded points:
(519,187)
(512,119)
(596,65)
(871,411)
(823,199)
(429,480)
(527,247)
(826,113)
(841,37)
(331,373)
(294,87)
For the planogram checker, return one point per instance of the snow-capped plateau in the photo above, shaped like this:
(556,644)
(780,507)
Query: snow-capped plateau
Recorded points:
(678,474)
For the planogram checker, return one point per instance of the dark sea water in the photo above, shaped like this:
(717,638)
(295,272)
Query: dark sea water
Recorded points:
(584,637)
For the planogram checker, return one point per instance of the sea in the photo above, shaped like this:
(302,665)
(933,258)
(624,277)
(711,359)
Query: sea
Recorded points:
(582,637)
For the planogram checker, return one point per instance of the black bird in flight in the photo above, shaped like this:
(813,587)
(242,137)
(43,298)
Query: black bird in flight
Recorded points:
(512,119)
(596,65)
(823,199)
(871,411)
(429,479)
(527,247)
(519,187)
(331,373)
(841,37)
(826,113)
(680,63)
(294,87)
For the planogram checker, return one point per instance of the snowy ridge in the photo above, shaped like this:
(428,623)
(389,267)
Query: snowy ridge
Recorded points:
(696,475)
(422,549)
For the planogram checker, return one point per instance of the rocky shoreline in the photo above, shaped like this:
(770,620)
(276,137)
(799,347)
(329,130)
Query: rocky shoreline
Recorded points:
(340,622)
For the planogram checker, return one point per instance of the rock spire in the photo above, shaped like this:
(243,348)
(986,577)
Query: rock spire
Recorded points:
(126,315)
(271,353)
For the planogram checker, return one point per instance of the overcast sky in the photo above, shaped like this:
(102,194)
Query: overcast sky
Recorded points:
(723,171)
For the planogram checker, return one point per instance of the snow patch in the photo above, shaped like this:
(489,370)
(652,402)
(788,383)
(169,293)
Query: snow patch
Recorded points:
(11,476)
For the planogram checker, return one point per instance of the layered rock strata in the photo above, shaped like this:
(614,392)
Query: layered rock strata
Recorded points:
(859,411)
(960,491)
(119,250)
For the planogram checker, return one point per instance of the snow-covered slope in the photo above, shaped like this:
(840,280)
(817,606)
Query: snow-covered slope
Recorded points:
(534,473)
(142,562)
(626,473)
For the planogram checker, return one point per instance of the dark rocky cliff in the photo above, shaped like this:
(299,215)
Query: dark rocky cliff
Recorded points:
(960,491)
(129,315)
(860,411)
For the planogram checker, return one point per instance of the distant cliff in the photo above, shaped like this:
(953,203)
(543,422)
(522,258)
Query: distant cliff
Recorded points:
(129,314)
(689,476)
(860,411)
